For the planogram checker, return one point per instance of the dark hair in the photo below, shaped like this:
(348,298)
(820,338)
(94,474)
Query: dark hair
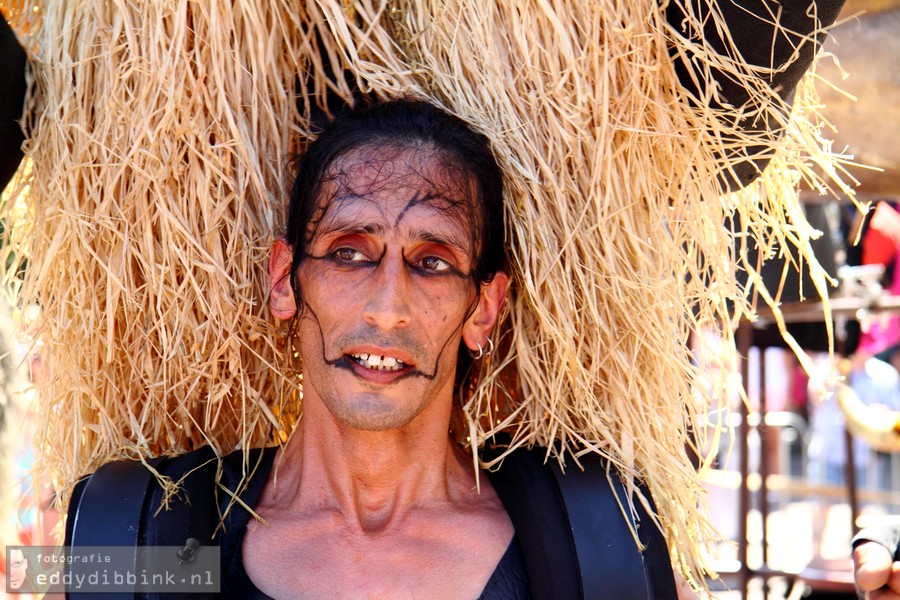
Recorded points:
(404,123)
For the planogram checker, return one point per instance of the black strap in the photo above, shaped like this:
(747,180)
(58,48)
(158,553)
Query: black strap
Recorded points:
(532,499)
(106,510)
(575,540)
(119,505)
(611,564)
(191,512)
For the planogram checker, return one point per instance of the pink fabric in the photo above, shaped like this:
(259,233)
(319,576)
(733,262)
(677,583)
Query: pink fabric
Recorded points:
(884,330)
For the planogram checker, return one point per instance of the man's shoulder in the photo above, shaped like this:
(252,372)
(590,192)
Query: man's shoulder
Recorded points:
(202,467)
(237,467)
(576,534)
(200,485)
(155,501)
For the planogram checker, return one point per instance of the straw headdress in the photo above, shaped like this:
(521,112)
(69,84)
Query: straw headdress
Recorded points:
(159,135)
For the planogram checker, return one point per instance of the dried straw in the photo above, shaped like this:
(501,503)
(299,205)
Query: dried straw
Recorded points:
(160,136)
(159,143)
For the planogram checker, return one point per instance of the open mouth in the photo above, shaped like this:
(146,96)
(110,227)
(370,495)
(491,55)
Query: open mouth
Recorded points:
(378,363)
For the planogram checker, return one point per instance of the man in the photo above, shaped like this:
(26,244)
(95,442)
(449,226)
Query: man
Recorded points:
(372,496)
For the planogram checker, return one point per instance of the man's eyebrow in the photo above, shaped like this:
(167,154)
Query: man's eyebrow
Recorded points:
(350,196)
(444,240)
(340,225)
(331,223)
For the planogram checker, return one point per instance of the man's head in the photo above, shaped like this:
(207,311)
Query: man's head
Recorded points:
(393,255)
(18,566)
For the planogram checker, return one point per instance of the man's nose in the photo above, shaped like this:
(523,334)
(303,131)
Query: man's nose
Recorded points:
(388,304)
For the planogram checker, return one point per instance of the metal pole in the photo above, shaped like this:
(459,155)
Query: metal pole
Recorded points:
(763,432)
(744,341)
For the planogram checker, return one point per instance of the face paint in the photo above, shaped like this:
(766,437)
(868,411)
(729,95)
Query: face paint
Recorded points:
(386,286)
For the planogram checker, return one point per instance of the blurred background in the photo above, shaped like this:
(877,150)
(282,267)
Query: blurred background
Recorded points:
(786,491)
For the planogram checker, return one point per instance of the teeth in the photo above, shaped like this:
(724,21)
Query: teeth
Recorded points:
(379,363)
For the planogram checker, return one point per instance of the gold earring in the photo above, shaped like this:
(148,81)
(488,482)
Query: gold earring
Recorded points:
(294,360)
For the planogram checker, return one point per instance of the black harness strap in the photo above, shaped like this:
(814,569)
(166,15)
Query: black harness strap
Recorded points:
(601,533)
(574,538)
(117,506)
(108,507)
(532,499)
(191,513)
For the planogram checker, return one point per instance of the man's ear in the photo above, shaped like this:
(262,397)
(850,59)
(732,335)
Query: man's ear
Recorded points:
(281,294)
(490,302)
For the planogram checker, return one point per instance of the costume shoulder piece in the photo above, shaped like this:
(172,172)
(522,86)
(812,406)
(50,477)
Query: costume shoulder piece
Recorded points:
(124,504)
(618,125)
(575,530)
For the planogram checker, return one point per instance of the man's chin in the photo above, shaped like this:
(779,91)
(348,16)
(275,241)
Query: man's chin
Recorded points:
(373,414)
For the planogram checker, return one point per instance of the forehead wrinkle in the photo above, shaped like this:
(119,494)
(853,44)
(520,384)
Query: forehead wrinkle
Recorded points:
(337,202)
(381,180)
(336,219)
(452,236)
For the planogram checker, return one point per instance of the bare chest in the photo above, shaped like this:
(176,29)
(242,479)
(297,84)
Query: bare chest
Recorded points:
(318,558)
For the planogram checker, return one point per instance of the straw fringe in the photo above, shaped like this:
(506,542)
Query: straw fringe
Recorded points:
(159,149)
(161,137)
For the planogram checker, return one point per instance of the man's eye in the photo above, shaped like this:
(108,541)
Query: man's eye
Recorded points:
(349,255)
(433,263)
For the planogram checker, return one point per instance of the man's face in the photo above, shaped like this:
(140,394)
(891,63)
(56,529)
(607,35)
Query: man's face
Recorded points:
(18,565)
(386,286)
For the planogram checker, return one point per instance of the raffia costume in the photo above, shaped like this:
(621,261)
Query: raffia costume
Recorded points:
(158,142)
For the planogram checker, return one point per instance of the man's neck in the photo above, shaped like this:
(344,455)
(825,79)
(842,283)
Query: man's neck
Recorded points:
(371,478)
(365,514)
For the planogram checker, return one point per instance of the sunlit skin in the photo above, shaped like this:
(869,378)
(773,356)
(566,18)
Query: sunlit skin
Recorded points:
(877,573)
(372,499)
